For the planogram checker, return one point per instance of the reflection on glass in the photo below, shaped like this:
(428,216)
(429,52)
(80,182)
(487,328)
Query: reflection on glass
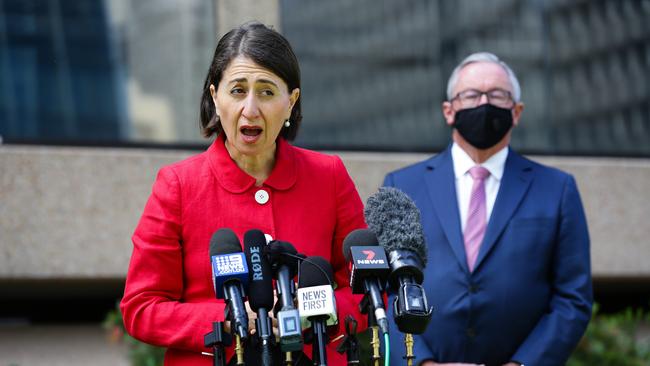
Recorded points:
(374,72)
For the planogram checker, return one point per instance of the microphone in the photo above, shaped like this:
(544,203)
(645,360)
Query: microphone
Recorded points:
(369,271)
(284,266)
(395,219)
(230,274)
(260,289)
(316,303)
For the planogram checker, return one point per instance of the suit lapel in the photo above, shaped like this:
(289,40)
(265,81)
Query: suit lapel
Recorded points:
(441,185)
(517,176)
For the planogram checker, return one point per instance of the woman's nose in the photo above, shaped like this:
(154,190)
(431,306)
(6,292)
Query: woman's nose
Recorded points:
(251,107)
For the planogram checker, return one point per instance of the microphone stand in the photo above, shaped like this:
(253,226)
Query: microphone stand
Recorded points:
(318,350)
(408,344)
(288,358)
(217,339)
(239,350)
(365,307)
(239,347)
(350,343)
(263,325)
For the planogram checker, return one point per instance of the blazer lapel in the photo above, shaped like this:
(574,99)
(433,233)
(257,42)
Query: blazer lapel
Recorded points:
(517,176)
(441,185)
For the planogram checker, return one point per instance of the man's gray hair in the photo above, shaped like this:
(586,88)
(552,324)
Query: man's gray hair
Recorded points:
(484,57)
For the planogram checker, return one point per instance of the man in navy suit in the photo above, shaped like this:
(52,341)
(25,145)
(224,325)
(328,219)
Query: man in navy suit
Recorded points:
(509,273)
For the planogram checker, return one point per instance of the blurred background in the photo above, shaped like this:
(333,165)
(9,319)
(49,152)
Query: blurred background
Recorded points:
(96,95)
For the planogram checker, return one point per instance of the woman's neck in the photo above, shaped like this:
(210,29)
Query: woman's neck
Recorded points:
(258,166)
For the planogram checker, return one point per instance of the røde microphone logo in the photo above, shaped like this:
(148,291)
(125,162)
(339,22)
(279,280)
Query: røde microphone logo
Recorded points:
(256,264)
(369,257)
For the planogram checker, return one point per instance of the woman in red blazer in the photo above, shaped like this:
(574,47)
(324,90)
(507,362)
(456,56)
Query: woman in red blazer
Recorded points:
(250,177)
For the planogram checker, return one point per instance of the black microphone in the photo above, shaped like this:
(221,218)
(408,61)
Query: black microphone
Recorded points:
(284,265)
(260,289)
(369,271)
(230,274)
(395,219)
(316,303)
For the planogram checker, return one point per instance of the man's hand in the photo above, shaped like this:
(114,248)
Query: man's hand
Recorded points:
(253,315)
(251,318)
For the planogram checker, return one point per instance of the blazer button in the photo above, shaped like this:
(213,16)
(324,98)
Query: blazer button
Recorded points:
(473,289)
(471,332)
(261,196)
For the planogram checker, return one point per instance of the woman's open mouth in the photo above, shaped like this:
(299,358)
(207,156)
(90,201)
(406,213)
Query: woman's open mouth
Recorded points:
(250,134)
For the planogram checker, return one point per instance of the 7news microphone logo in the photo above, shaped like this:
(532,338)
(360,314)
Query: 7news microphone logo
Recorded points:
(370,254)
(370,257)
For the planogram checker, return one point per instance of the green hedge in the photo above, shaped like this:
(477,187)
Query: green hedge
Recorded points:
(140,354)
(614,340)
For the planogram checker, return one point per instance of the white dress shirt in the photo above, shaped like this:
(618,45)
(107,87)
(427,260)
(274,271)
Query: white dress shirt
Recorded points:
(462,163)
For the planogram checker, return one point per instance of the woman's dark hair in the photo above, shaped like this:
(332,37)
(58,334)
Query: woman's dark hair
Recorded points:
(267,48)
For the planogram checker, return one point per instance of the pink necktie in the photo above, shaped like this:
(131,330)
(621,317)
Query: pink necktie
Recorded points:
(476,216)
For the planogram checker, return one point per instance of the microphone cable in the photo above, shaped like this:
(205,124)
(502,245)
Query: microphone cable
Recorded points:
(306,259)
(387,352)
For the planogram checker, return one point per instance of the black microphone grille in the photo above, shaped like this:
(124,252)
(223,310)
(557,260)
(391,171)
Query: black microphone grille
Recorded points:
(358,237)
(315,271)
(260,287)
(224,241)
(254,238)
(395,219)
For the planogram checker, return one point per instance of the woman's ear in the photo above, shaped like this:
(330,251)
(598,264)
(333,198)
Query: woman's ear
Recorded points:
(293,98)
(213,93)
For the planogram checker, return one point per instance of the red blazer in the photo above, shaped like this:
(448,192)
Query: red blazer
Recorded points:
(169,298)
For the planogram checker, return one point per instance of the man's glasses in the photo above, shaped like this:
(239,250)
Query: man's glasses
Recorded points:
(471,98)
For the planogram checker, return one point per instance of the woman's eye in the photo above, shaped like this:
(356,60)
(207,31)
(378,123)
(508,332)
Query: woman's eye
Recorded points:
(237,91)
(267,92)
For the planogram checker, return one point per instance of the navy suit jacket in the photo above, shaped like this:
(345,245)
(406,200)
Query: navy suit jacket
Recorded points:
(529,297)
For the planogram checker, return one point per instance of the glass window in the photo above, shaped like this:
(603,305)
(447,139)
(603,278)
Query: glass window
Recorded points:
(374,72)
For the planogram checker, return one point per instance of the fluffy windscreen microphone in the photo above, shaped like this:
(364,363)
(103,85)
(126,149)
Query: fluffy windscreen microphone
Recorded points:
(395,219)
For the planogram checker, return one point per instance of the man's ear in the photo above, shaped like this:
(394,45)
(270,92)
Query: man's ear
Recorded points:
(449,112)
(516,113)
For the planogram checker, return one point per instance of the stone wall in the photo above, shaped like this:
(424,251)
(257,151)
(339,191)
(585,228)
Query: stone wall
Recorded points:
(68,213)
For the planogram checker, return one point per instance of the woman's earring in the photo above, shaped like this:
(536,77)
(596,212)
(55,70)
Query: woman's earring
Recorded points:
(287,123)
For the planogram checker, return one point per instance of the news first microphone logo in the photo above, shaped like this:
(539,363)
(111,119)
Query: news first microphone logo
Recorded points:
(229,264)
(316,301)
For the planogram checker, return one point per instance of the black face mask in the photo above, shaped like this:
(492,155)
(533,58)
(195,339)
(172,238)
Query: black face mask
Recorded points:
(483,126)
